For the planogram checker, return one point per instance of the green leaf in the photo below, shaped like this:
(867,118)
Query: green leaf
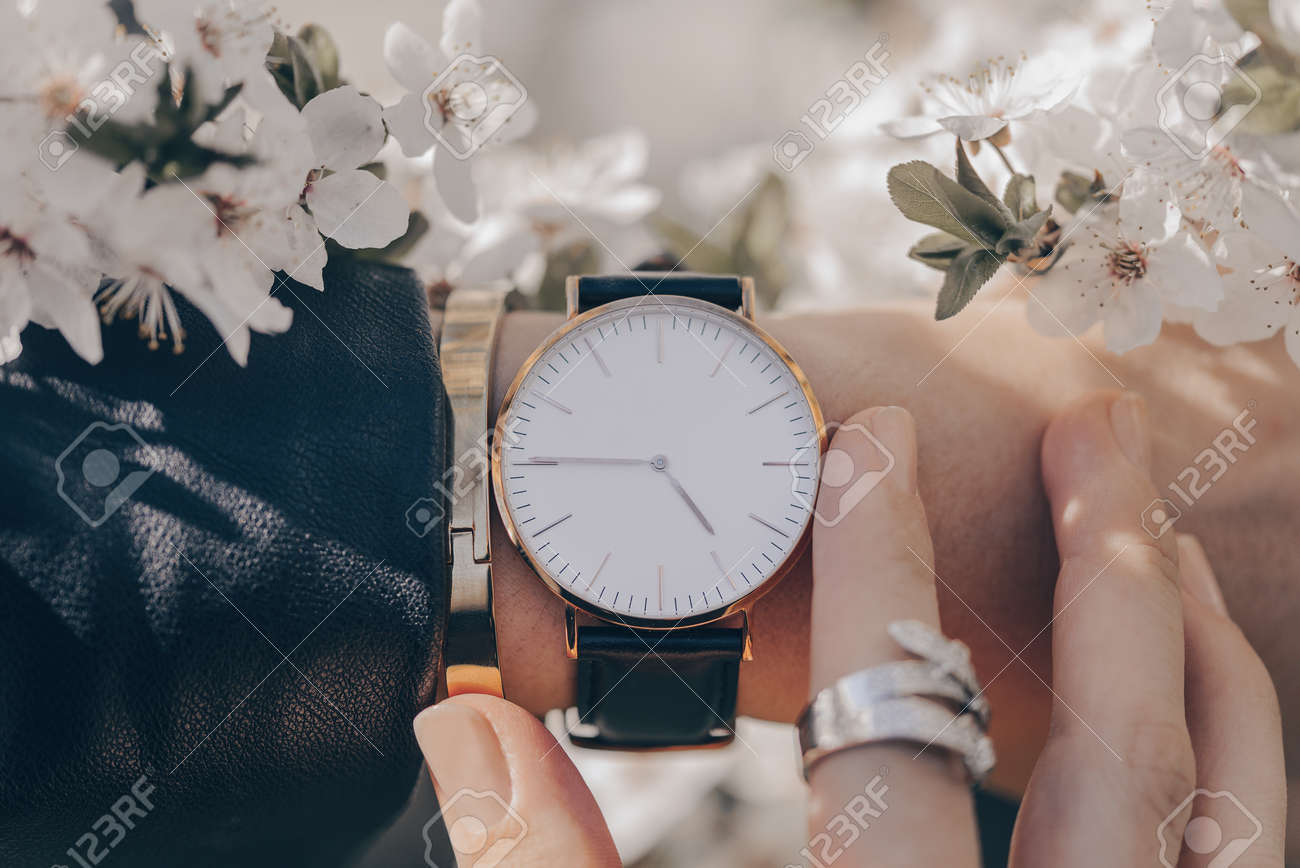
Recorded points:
(1021,196)
(1073,191)
(324,52)
(969,271)
(576,257)
(970,179)
(1022,234)
(926,195)
(1278,109)
(937,250)
(306,77)
(705,256)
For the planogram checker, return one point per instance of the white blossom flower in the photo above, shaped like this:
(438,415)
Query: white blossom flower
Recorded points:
(990,98)
(142,241)
(345,130)
(1261,294)
(62,63)
(533,202)
(1221,190)
(1111,276)
(153,243)
(415,64)
(220,43)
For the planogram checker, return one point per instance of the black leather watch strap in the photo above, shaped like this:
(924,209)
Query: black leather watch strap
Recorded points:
(722,290)
(651,689)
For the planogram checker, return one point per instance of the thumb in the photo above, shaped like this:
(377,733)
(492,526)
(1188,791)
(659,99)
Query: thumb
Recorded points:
(508,792)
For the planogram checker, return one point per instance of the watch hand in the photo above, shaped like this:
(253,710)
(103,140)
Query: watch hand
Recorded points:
(537,459)
(686,497)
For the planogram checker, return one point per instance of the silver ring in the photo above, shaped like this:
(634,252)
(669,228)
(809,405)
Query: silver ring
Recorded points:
(933,701)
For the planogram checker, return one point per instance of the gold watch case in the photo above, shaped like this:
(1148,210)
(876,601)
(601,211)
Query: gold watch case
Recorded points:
(574,604)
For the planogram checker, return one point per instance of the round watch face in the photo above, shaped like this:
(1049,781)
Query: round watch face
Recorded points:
(658,460)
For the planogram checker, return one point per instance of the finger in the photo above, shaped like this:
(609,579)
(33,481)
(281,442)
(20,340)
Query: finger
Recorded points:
(872,560)
(1118,754)
(507,791)
(871,550)
(1238,813)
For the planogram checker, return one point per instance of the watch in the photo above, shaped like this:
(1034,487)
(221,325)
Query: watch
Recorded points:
(655,462)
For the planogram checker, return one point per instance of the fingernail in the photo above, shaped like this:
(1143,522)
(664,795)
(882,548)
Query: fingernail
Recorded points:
(896,430)
(462,752)
(1128,420)
(1197,574)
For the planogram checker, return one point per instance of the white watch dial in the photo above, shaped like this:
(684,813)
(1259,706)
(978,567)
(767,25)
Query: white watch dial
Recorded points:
(659,460)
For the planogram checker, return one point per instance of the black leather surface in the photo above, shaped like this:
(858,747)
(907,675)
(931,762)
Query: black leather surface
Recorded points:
(281,491)
(595,290)
(681,693)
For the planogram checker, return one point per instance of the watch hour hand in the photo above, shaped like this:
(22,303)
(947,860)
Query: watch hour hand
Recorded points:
(672,480)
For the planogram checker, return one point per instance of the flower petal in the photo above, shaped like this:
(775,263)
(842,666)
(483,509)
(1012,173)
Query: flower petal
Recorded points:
(1272,216)
(305,249)
(462,29)
(1257,293)
(1185,272)
(407,122)
(409,57)
(60,302)
(1146,208)
(914,127)
(1068,299)
(972,128)
(357,209)
(455,185)
(626,205)
(346,127)
(1133,317)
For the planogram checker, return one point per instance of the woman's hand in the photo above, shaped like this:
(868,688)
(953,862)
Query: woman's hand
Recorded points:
(1156,691)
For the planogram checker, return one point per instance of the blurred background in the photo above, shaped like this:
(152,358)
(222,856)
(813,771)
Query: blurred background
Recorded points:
(710,88)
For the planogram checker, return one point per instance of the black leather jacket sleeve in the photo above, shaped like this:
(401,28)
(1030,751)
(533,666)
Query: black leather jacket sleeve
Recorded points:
(234,607)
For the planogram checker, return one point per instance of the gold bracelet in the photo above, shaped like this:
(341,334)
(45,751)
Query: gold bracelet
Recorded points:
(469,330)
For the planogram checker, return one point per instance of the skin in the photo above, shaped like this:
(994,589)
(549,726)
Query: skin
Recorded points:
(1196,707)
(983,388)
